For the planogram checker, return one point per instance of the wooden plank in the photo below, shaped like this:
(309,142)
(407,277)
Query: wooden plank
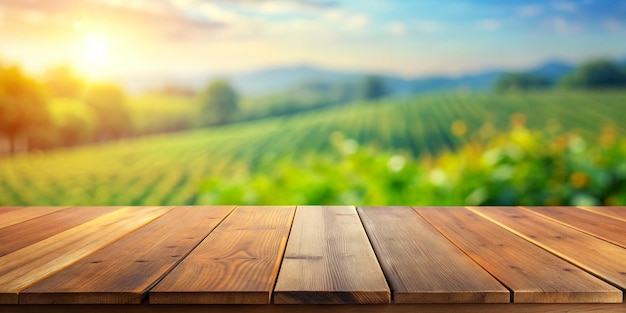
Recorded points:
(237,263)
(610,211)
(602,226)
(421,265)
(326,308)
(20,235)
(329,260)
(4,209)
(124,271)
(31,264)
(533,274)
(601,258)
(12,217)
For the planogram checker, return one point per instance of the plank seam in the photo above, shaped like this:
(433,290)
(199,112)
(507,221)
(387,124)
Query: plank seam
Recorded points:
(511,293)
(367,233)
(570,226)
(145,297)
(553,252)
(586,208)
(282,257)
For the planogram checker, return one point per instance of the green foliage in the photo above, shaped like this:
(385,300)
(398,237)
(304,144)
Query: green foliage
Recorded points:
(521,82)
(373,87)
(163,112)
(596,74)
(109,102)
(75,123)
(220,102)
(304,97)
(23,107)
(516,168)
(431,149)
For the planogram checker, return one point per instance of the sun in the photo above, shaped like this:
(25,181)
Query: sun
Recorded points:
(95,49)
(94,54)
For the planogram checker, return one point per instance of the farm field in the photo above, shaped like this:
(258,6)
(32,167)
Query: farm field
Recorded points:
(405,144)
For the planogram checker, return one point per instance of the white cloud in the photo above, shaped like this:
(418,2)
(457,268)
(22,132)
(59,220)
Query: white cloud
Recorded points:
(613,25)
(357,21)
(563,26)
(334,15)
(216,13)
(346,20)
(489,24)
(428,26)
(565,6)
(529,11)
(397,28)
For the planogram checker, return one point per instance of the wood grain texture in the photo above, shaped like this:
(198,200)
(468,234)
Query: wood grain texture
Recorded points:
(31,264)
(595,255)
(421,265)
(124,271)
(602,226)
(12,217)
(20,235)
(329,260)
(610,211)
(237,263)
(533,274)
(326,308)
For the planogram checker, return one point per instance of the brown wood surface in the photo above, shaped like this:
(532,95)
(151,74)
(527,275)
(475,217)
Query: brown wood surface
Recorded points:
(4,209)
(124,271)
(237,263)
(326,308)
(329,260)
(421,265)
(613,211)
(601,226)
(20,235)
(595,255)
(12,217)
(533,274)
(31,264)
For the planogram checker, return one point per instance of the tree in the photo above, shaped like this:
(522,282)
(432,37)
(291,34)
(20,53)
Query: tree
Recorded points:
(521,81)
(23,107)
(596,74)
(108,101)
(219,102)
(373,87)
(62,82)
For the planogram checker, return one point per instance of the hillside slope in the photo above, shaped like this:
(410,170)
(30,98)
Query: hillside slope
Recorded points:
(170,169)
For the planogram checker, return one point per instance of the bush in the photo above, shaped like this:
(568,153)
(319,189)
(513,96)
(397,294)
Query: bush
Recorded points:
(517,168)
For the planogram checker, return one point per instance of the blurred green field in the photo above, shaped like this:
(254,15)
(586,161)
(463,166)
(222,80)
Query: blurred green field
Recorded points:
(398,151)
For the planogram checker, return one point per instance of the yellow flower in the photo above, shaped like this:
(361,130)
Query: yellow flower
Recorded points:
(579,180)
(458,128)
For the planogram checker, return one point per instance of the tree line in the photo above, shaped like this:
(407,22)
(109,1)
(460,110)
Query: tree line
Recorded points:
(61,109)
(595,74)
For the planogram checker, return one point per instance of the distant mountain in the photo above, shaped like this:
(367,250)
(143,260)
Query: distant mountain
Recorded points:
(553,70)
(279,79)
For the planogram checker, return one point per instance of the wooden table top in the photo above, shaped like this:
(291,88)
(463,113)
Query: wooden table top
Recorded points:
(393,259)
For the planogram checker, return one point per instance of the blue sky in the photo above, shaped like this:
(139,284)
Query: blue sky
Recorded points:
(408,38)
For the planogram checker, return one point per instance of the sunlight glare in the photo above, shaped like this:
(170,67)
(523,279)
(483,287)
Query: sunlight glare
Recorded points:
(94,55)
(96,49)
